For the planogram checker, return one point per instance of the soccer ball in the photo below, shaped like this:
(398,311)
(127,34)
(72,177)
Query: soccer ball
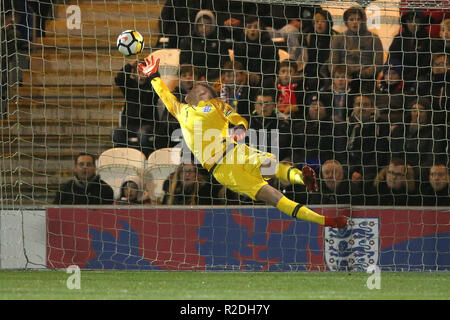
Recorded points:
(130,42)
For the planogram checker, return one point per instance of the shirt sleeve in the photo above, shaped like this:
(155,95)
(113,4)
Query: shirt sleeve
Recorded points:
(170,101)
(230,114)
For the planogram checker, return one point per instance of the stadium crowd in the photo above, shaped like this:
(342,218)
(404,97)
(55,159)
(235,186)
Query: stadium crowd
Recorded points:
(375,129)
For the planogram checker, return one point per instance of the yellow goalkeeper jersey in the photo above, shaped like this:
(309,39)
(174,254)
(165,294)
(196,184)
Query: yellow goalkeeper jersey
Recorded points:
(204,127)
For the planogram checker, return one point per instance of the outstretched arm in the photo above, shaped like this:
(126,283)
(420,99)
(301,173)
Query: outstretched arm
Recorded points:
(238,132)
(150,70)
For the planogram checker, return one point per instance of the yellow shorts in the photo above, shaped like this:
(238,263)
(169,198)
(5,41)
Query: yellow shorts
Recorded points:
(240,172)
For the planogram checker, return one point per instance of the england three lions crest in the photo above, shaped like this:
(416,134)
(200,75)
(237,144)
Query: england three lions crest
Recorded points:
(353,248)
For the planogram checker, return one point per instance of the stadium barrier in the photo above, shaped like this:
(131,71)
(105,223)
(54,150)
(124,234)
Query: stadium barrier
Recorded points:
(224,239)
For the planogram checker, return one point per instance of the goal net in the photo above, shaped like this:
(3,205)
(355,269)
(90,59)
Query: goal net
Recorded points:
(94,170)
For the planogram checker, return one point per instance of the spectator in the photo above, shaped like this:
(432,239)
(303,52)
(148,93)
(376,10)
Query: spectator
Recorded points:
(390,95)
(342,94)
(390,78)
(234,89)
(13,47)
(291,35)
(86,187)
(418,139)
(304,83)
(358,48)
(264,117)
(257,53)
(189,185)
(438,88)
(318,48)
(132,192)
(394,186)
(176,19)
(412,46)
(335,187)
(177,16)
(367,143)
(279,15)
(204,48)
(442,45)
(435,14)
(230,17)
(436,192)
(313,136)
(138,114)
(290,90)
(187,77)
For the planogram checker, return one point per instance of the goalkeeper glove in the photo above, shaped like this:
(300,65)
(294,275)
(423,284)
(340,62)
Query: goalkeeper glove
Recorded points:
(238,133)
(150,68)
(309,179)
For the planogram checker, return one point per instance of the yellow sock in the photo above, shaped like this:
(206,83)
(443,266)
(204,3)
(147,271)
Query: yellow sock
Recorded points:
(295,210)
(289,174)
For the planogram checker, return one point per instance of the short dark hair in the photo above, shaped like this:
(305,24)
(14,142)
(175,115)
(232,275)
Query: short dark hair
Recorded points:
(435,56)
(425,102)
(230,65)
(398,162)
(84,154)
(288,63)
(341,69)
(354,10)
(266,92)
(368,96)
(441,161)
(187,68)
(250,19)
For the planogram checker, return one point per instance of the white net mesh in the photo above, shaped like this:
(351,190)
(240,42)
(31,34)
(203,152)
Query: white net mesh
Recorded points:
(66,89)
(359,94)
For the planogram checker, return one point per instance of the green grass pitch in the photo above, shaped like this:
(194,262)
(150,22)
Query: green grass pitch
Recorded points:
(165,285)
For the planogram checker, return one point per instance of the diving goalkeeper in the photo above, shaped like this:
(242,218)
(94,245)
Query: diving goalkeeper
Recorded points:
(204,118)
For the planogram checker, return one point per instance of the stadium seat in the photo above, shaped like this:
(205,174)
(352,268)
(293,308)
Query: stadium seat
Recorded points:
(160,165)
(168,66)
(116,164)
(231,54)
(284,55)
